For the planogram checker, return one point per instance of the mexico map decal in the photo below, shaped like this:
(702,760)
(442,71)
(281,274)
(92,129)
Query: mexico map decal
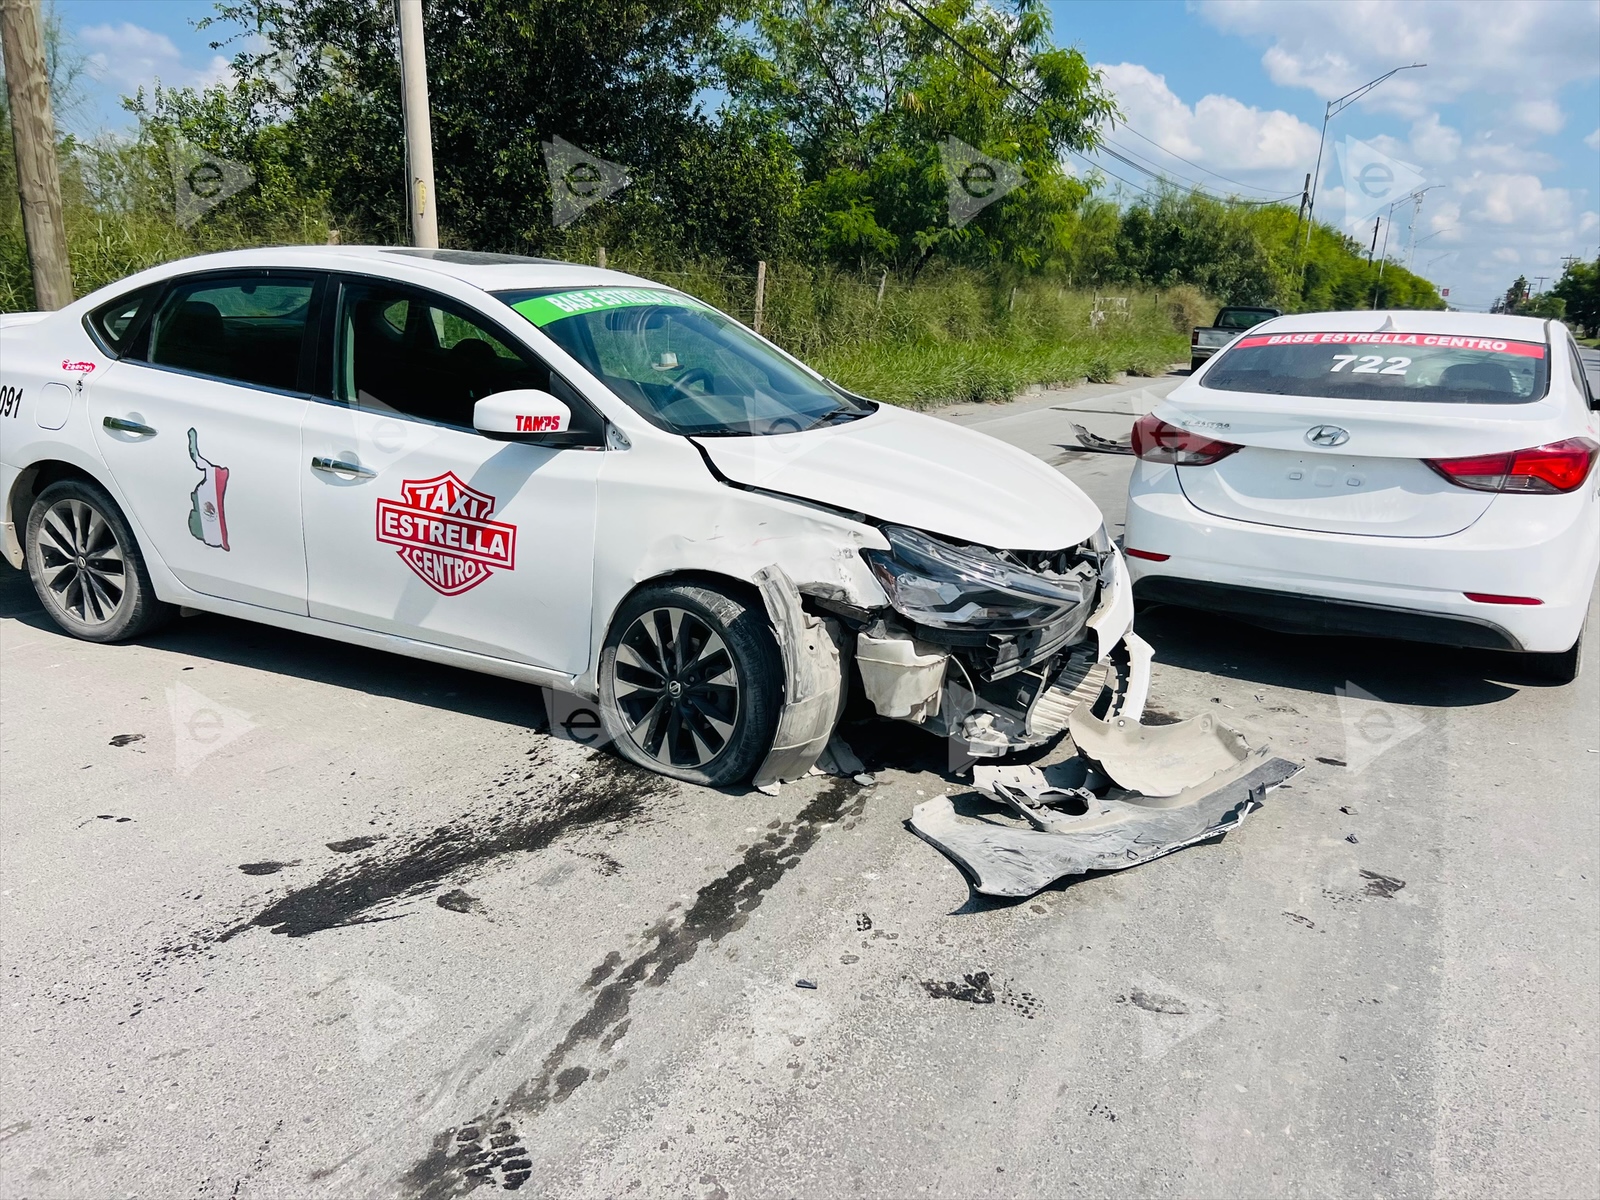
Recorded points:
(442,528)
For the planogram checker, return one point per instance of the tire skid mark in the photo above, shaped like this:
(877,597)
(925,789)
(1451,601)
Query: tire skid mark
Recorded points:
(455,1164)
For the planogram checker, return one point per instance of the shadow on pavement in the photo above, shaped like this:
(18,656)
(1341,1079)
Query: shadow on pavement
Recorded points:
(1399,672)
(265,648)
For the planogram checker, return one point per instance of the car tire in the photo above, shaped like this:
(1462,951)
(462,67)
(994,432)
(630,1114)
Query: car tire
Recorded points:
(1195,364)
(1559,667)
(86,567)
(691,682)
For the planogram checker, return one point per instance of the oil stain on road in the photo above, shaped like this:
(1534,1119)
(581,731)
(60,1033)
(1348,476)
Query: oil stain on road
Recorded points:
(459,1160)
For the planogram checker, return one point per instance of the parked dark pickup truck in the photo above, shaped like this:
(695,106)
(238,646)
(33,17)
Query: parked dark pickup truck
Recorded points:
(1207,340)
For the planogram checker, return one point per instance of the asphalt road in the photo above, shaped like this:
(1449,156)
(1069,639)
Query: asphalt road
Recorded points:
(281,917)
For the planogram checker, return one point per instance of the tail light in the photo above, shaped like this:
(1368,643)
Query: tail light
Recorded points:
(1558,467)
(1156,441)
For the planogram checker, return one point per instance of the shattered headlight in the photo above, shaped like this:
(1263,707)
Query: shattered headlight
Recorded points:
(946,586)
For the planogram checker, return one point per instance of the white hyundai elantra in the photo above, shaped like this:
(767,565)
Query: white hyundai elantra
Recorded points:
(558,474)
(1415,475)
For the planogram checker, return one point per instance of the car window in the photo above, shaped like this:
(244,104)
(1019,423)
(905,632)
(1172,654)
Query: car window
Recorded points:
(1579,379)
(116,323)
(401,350)
(1425,368)
(681,365)
(1242,318)
(249,330)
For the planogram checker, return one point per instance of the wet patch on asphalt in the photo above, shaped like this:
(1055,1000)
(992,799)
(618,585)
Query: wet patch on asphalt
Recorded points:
(372,887)
(584,1053)
(980,987)
(351,845)
(459,901)
(269,867)
(1382,886)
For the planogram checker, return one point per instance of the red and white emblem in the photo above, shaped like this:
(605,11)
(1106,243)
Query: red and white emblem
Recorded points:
(442,528)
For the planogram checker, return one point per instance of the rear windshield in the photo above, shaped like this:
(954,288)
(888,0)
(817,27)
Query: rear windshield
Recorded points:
(1429,368)
(1243,318)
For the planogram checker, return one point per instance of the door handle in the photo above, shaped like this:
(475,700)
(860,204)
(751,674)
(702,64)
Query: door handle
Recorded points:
(133,427)
(338,466)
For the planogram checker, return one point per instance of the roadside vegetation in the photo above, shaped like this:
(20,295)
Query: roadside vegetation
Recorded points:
(820,157)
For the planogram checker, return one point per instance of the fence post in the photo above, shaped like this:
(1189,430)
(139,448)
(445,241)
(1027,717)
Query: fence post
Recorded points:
(600,257)
(1013,305)
(761,294)
(882,280)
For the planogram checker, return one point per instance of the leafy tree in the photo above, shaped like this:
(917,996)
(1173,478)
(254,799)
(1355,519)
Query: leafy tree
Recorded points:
(1579,287)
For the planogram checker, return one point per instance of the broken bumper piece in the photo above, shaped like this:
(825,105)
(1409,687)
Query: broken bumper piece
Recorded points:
(1075,832)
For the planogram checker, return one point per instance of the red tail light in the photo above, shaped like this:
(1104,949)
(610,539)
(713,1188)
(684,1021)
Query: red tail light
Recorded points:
(1558,467)
(1156,441)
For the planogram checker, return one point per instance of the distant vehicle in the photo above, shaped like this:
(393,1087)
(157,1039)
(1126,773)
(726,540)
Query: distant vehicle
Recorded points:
(1231,321)
(553,473)
(1422,476)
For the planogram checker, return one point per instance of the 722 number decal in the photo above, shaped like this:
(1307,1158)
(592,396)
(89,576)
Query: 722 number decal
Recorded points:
(1369,364)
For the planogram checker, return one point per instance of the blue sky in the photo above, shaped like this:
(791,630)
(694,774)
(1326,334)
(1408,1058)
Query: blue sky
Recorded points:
(1503,124)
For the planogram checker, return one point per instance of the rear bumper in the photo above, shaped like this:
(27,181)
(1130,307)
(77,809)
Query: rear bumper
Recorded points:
(1291,613)
(1408,588)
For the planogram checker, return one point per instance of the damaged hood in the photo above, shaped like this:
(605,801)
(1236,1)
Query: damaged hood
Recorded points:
(908,469)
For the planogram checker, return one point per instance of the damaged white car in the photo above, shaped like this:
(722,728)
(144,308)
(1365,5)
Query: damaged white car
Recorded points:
(558,474)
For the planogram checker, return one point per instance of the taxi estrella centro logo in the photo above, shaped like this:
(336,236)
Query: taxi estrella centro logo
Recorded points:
(442,528)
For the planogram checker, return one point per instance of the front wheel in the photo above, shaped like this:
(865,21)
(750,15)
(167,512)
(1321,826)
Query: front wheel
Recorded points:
(86,567)
(691,682)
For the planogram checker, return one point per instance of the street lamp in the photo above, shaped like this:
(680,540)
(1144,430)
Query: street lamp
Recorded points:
(1331,110)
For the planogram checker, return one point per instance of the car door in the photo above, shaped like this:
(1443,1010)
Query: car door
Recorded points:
(199,425)
(418,525)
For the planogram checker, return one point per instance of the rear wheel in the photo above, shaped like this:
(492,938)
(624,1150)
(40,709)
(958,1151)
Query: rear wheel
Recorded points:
(1195,364)
(1560,667)
(691,684)
(86,567)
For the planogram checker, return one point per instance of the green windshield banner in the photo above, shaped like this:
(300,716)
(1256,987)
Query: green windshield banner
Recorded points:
(542,310)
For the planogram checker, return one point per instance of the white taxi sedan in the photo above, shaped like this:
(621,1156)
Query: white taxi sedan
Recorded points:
(1415,475)
(553,473)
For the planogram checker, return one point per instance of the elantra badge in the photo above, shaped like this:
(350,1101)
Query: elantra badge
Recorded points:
(1327,435)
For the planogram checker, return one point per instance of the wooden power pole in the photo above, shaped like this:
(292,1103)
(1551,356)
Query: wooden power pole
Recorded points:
(420,194)
(33,136)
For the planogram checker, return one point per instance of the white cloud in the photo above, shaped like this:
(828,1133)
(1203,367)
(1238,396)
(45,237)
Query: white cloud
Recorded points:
(1433,142)
(1220,133)
(1593,140)
(1527,49)
(129,57)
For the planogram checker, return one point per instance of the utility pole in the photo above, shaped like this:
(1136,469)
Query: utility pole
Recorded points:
(1416,215)
(1372,249)
(421,197)
(33,131)
(1329,111)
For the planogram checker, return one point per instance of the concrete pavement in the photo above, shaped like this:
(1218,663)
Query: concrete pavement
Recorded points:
(282,917)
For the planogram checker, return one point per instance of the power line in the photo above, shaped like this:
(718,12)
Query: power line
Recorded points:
(1192,163)
(966,52)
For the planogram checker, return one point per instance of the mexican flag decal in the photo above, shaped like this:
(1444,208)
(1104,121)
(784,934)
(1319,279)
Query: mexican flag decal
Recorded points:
(442,529)
(207,520)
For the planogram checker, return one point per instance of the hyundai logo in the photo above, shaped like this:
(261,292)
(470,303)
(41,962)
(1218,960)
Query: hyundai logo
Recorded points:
(1327,435)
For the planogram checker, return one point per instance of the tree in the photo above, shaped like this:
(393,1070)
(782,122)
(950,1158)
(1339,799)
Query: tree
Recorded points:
(1515,294)
(866,92)
(1579,287)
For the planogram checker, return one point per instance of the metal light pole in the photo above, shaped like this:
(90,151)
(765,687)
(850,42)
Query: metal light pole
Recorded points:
(1416,215)
(1331,110)
(33,134)
(1383,259)
(420,194)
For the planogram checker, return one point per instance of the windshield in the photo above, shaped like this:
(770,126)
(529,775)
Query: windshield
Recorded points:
(683,366)
(1243,318)
(1428,368)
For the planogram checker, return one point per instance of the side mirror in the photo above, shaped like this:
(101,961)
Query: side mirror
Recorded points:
(524,414)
